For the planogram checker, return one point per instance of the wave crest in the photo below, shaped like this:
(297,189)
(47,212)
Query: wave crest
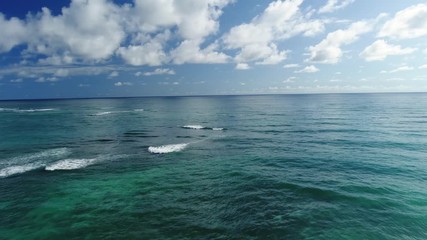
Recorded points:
(13,170)
(17,110)
(70,164)
(194,127)
(199,127)
(168,148)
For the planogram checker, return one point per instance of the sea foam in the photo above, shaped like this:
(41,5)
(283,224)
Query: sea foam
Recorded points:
(168,148)
(29,162)
(17,110)
(193,127)
(199,127)
(70,164)
(102,113)
(13,170)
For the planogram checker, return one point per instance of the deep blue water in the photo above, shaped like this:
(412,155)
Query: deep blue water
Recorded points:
(333,166)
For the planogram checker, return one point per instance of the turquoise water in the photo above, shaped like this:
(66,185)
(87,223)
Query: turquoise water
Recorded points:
(336,166)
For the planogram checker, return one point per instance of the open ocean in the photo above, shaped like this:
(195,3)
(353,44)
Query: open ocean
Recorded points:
(331,166)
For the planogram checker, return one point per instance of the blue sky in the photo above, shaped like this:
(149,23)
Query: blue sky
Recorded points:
(104,48)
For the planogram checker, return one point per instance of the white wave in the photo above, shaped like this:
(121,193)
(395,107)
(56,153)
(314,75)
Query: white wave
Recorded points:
(28,162)
(138,110)
(217,129)
(17,169)
(193,127)
(168,148)
(102,113)
(70,164)
(32,157)
(25,110)
(35,110)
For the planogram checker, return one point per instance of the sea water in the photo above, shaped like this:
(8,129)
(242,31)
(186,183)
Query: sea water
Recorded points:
(332,166)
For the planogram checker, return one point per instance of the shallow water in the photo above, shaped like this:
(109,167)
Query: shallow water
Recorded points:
(336,166)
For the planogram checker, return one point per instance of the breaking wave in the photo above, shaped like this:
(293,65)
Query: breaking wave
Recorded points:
(29,162)
(115,112)
(13,170)
(71,164)
(193,127)
(168,148)
(199,127)
(17,110)
(101,113)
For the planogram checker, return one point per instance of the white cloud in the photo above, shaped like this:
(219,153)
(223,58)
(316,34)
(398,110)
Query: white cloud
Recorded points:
(18,80)
(13,33)
(308,69)
(333,5)
(61,72)
(242,66)
(293,65)
(401,69)
(159,71)
(194,20)
(121,84)
(380,49)
(257,40)
(409,23)
(290,80)
(94,31)
(46,79)
(423,66)
(113,74)
(329,49)
(150,54)
(189,52)
(89,30)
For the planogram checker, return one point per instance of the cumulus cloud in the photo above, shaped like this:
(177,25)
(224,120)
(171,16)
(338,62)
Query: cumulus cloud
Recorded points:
(290,80)
(96,30)
(46,79)
(189,51)
(408,23)
(401,69)
(113,74)
(257,41)
(242,66)
(150,54)
(308,69)
(159,71)
(292,65)
(423,66)
(121,84)
(329,49)
(17,80)
(333,5)
(13,33)
(380,49)
(88,30)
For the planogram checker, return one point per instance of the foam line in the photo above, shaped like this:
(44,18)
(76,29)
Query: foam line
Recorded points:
(167,148)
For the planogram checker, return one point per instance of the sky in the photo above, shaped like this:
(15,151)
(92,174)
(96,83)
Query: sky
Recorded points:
(123,48)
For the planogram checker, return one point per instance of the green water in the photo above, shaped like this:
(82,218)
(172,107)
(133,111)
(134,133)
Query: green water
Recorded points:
(349,166)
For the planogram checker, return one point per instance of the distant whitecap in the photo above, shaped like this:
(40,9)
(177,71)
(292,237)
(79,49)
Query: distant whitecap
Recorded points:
(168,148)
(102,113)
(17,110)
(193,127)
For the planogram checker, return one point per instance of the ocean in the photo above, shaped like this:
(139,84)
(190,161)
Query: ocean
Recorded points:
(320,166)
